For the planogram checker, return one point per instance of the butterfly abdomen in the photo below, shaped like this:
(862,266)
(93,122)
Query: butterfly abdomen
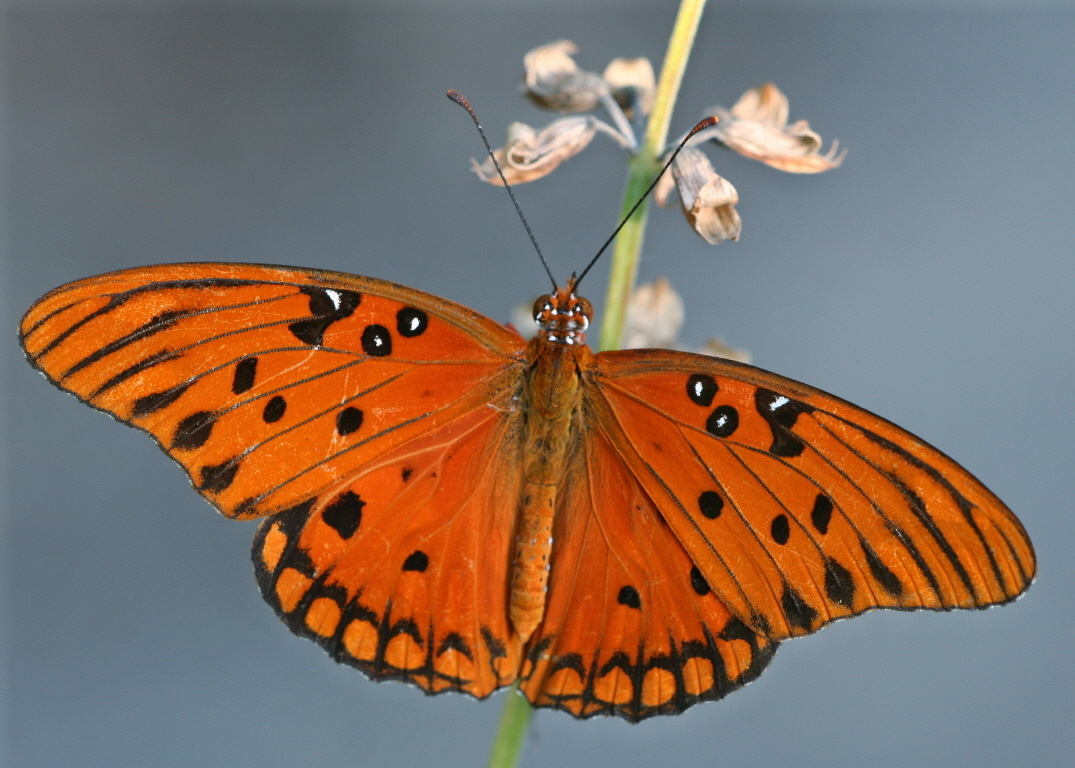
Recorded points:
(552,398)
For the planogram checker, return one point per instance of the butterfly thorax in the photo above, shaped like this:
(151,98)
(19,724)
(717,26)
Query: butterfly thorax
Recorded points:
(552,396)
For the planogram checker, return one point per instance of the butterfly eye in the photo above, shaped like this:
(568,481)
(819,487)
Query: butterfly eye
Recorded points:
(541,307)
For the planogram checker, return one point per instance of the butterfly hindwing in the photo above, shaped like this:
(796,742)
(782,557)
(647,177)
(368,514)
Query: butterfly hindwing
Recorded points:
(401,569)
(242,373)
(798,507)
(631,626)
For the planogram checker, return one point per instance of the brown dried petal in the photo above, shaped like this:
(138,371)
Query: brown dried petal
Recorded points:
(654,316)
(554,81)
(632,83)
(717,347)
(757,127)
(530,154)
(708,200)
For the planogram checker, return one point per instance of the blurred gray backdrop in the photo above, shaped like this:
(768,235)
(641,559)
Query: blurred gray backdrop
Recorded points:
(929,280)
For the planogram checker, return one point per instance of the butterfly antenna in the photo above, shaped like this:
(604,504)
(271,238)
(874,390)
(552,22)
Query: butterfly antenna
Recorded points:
(461,100)
(706,123)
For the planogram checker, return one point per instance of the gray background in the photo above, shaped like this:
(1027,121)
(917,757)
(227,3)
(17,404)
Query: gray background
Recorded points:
(928,280)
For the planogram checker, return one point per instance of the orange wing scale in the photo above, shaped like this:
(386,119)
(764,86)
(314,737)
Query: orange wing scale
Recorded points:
(797,507)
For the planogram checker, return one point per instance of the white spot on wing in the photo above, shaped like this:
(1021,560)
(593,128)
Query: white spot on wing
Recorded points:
(781,400)
(334,297)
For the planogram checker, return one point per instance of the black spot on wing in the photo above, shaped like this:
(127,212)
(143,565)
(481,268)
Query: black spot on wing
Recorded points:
(327,306)
(698,582)
(193,431)
(780,529)
(723,421)
(799,613)
(344,514)
(780,413)
(821,514)
(148,404)
(839,586)
(274,410)
(245,374)
(416,561)
(701,389)
(348,420)
(411,322)
(216,478)
(376,341)
(885,577)
(629,596)
(710,504)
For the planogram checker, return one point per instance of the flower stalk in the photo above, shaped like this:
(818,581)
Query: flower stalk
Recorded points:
(640,173)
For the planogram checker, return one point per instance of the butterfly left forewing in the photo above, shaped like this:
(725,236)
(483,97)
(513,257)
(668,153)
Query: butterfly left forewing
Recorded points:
(800,508)
(631,628)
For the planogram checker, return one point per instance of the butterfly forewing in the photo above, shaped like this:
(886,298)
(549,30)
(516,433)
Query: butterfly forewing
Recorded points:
(797,507)
(265,383)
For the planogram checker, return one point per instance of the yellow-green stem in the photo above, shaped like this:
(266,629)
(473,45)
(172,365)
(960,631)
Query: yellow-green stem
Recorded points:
(643,167)
(509,736)
(507,748)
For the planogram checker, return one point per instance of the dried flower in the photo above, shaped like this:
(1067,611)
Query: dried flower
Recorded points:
(554,81)
(632,84)
(530,154)
(708,199)
(654,316)
(757,126)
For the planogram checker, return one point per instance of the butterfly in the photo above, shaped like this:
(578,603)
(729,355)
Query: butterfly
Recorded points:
(445,503)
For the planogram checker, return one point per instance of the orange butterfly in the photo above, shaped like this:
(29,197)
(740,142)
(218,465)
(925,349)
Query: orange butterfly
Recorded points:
(622,533)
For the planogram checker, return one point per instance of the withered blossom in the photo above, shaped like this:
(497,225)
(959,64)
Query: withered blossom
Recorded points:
(757,127)
(632,83)
(708,199)
(555,82)
(530,154)
(654,316)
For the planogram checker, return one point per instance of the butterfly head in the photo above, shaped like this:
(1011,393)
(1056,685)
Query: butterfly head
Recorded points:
(563,317)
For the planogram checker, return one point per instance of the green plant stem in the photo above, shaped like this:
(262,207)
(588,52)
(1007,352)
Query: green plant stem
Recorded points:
(507,747)
(514,718)
(640,174)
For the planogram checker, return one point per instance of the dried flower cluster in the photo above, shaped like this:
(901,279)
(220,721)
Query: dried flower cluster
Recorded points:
(756,127)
